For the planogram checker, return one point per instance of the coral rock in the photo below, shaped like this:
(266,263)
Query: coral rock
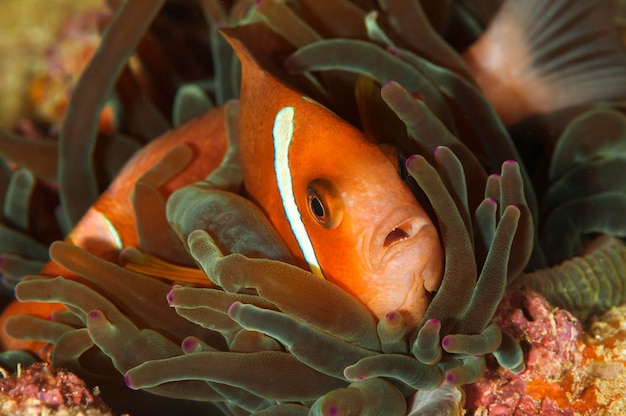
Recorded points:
(554,335)
(41,389)
(568,371)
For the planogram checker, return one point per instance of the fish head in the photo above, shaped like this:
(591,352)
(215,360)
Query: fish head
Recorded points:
(356,222)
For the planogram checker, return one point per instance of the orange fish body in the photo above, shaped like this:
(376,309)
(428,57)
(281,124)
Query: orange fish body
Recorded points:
(335,198)
(206,135)
(109,225)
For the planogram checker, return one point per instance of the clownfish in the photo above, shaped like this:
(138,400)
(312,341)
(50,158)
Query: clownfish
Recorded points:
(110,225)
(334,197)
(538,57)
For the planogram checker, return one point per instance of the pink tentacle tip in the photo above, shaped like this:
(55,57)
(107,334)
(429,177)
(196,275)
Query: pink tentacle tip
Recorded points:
(189,344)
(492,201)
(387,83)
(393,50)
(517,373)
(410,160)
(129,382)
(511,162)
(94,314)
(450,378)
(349,373)
(232,309)
(495,175)
(170,296)
(446,341)
(391,316)
(333,411)
(433,321)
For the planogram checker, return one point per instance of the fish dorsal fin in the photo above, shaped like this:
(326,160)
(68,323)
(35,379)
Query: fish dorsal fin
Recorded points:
(262,51)
(540,56)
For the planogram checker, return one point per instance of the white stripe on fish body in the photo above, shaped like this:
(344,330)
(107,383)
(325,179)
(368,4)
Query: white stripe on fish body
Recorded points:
(283,134)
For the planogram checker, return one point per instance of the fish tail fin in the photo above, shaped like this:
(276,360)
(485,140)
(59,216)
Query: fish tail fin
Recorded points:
(540,56)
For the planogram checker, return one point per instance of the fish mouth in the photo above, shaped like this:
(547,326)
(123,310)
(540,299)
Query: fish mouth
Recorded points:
(406,260)
(403,231)
(406,239)
(398,231)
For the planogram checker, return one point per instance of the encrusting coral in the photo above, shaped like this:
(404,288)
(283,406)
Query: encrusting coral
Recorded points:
(569,370)
(245,329)
(40,389)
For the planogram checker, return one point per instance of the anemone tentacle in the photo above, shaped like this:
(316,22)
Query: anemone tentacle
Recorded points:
(409,21)
(362,398)
(149,208)
(510,354)
(279,283)
(40,157)
(392,330)
(77,152)
(227,367)
(428,133)
(460,271)
(364,58)
(586,284)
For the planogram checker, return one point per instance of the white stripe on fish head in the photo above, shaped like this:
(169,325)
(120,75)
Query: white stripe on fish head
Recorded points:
(283,135)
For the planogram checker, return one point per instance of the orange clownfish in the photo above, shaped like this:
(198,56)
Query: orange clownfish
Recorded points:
(335,198)
(109,224)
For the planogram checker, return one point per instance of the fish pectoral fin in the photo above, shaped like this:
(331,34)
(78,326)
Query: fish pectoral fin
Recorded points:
(137,261)
(541,56)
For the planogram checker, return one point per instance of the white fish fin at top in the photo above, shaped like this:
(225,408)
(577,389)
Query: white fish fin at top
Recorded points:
(283,135)
(539,56)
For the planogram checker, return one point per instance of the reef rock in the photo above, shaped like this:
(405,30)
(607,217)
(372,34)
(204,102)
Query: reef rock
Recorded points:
(43,390)
(569,371)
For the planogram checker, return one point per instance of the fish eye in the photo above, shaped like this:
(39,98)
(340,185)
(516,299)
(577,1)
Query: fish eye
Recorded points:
(324,203)
(316,206)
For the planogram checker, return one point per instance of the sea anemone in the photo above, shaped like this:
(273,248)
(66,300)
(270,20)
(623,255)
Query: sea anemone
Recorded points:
(244,329)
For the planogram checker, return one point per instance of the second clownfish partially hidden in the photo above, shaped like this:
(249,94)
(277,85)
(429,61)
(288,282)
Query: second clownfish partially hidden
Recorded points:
(334,197)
